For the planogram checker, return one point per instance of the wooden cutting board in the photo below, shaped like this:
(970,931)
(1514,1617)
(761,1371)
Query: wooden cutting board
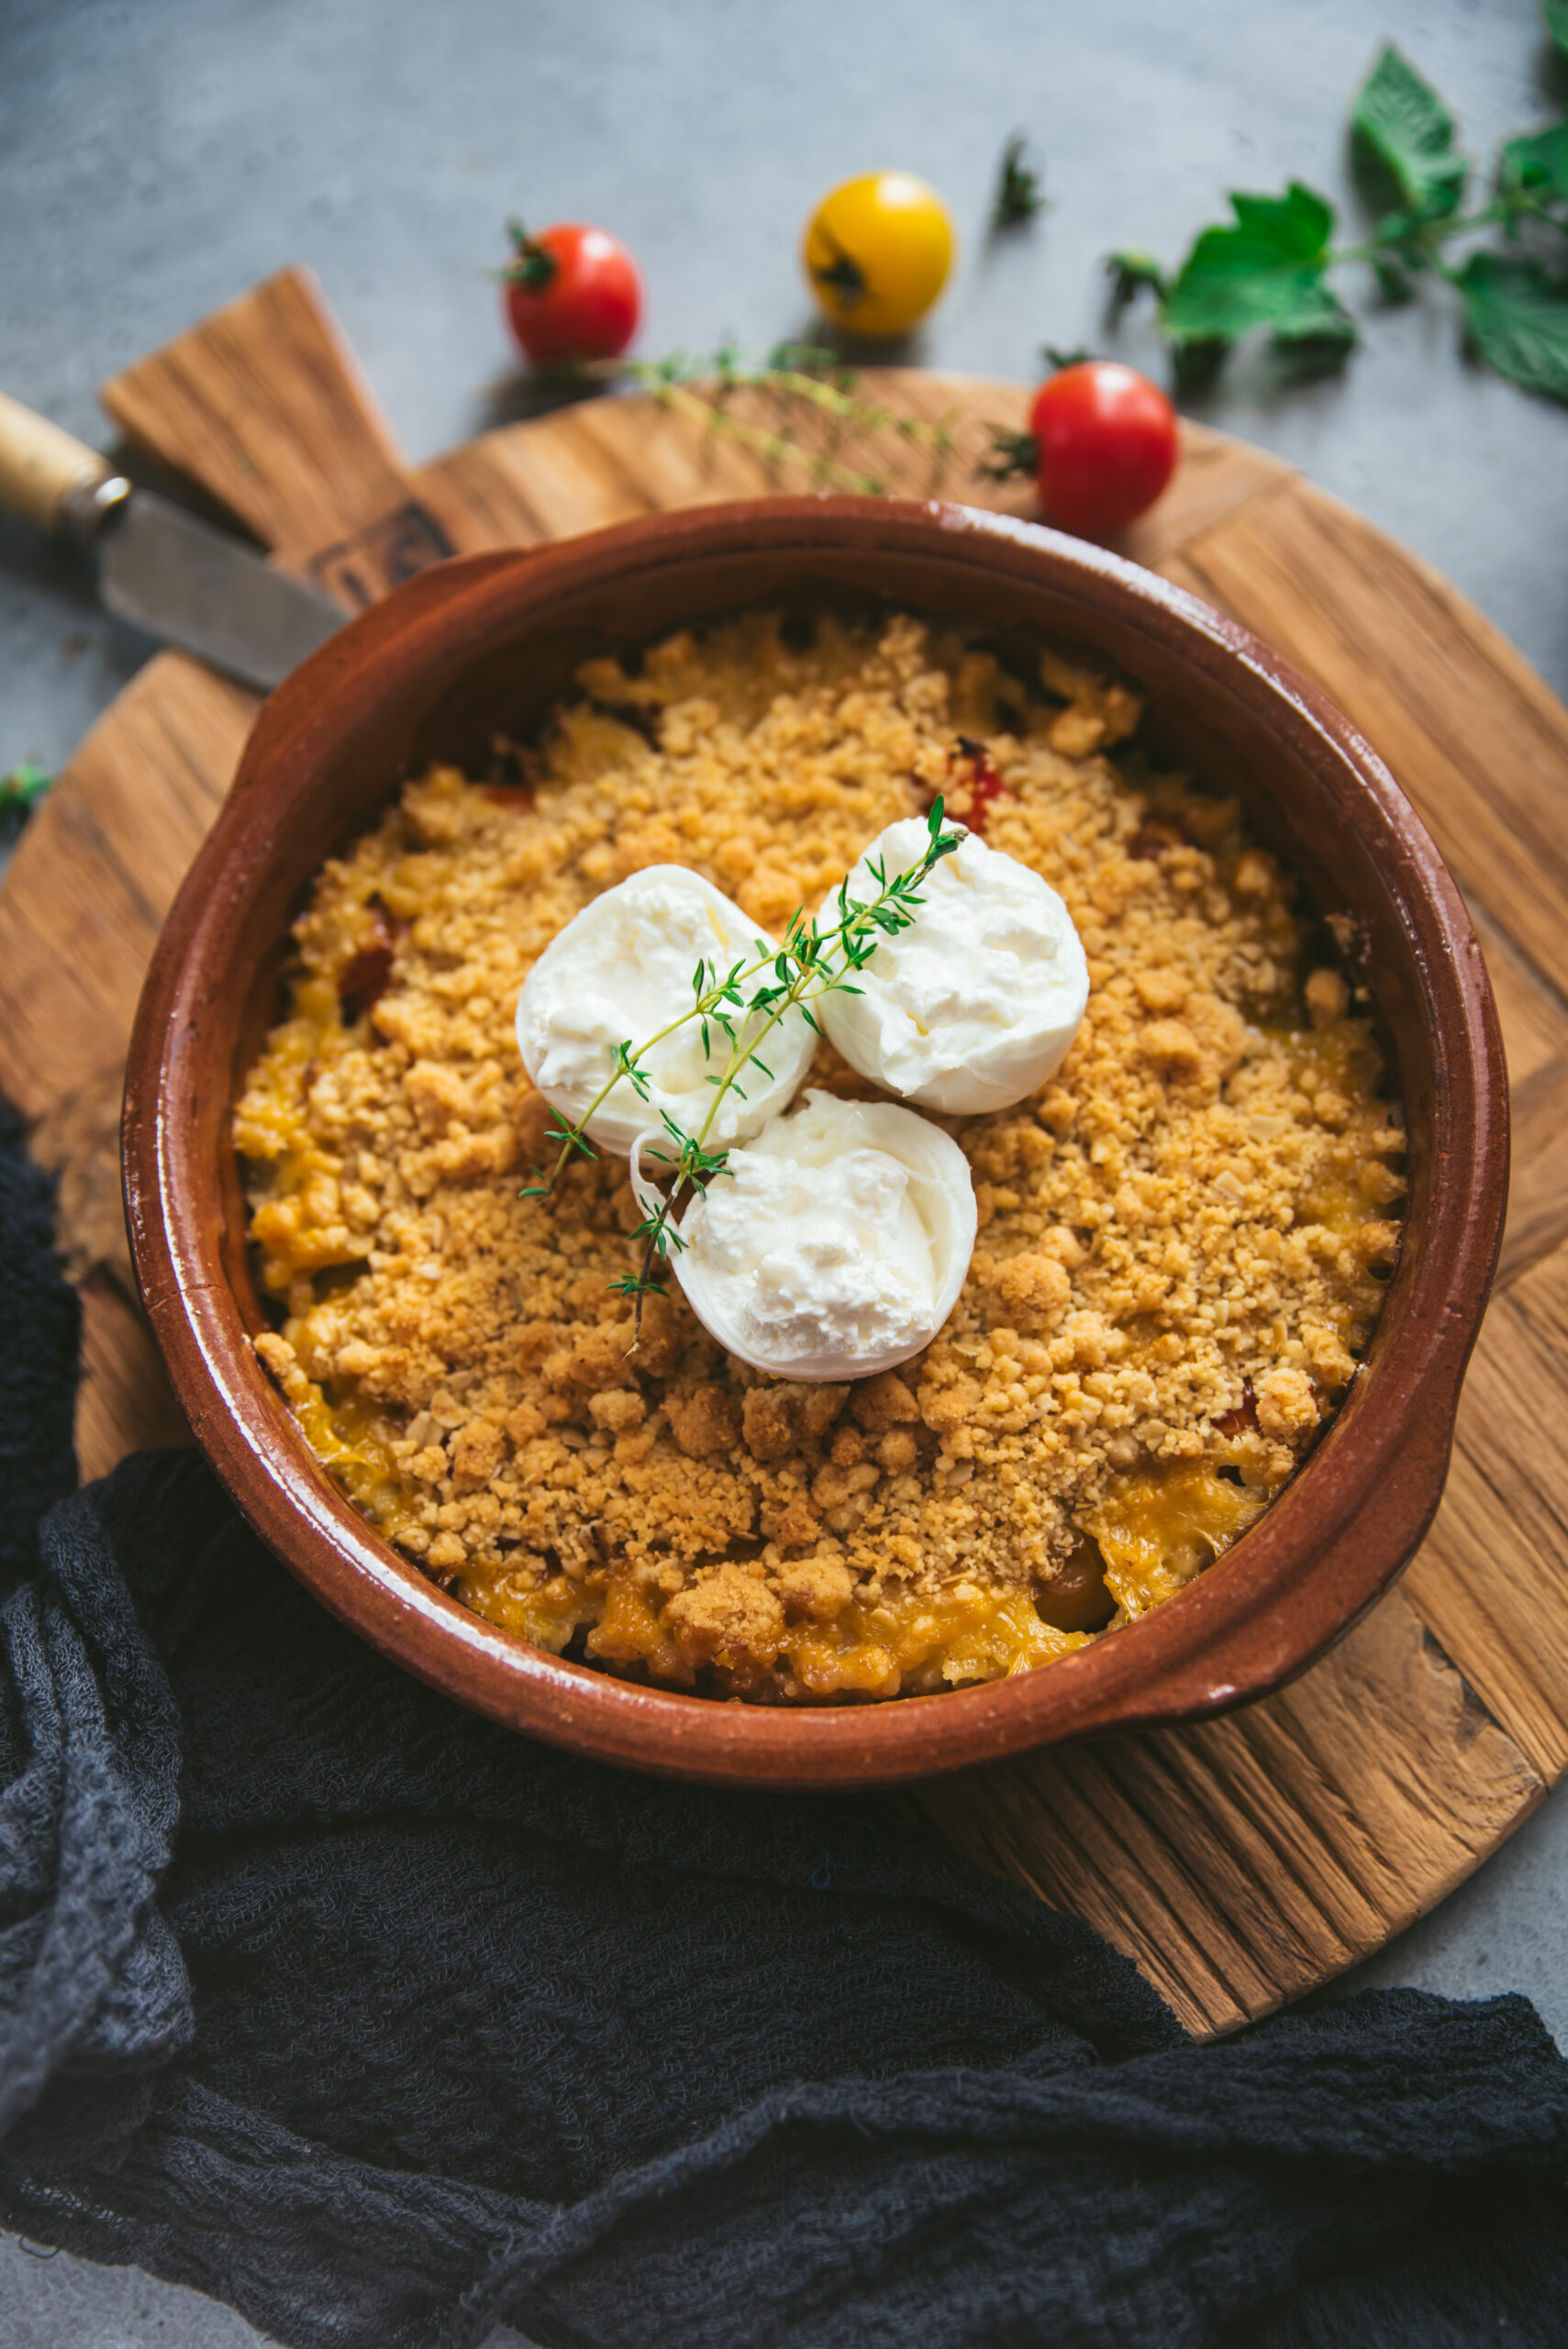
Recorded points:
(1240,1862)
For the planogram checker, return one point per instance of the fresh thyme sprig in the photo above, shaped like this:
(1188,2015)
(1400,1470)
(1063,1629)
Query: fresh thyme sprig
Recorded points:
(745,1003)
(806,385)
(802,378)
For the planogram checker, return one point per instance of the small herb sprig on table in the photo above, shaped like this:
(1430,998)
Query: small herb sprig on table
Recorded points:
(806,386)
(1270,266)
(803,381)
(813,959)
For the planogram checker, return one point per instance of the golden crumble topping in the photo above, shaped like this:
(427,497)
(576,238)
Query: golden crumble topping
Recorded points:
(1184,1237)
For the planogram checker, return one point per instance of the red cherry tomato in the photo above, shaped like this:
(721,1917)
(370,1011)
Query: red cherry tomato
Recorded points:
(572,293)
(1105,446)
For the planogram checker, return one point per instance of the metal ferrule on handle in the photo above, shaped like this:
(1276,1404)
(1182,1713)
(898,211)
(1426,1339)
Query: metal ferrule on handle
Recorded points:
(51,479)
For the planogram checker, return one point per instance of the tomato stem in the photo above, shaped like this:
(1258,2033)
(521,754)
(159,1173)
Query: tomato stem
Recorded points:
(1014,455)
(843,275)
(535,266)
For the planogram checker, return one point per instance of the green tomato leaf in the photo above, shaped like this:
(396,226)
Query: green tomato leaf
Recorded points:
(1405,126)
(1538,163)
(1554,17)
(1518,315)
(1267,271)
(1299,222)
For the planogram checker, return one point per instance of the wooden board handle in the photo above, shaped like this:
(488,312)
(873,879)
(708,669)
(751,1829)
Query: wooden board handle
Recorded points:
(263,403)
(40,465)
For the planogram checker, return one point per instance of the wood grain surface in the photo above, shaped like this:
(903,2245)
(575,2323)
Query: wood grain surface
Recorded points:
(1240,1862)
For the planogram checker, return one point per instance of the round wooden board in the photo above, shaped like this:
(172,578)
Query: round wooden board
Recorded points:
(1241,1862)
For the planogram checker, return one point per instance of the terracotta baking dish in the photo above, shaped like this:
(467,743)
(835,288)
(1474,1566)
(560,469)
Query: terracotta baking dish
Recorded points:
(492,641)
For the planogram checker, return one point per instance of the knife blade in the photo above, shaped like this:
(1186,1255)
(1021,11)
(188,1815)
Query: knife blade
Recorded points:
(159,567)
(178,578)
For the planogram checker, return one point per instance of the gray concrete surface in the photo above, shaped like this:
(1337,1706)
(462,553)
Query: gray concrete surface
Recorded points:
(157,156)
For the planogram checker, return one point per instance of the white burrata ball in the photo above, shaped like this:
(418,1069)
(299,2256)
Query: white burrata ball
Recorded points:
(975,1005)
(836,1244)
(620,971)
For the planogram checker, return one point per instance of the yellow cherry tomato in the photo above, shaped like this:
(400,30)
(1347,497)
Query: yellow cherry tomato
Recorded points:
(877,252)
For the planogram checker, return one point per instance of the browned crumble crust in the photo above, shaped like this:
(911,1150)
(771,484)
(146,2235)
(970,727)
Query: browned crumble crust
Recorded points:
(1184,1237)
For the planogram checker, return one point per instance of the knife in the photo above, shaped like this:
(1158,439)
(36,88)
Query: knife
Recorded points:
(159,567)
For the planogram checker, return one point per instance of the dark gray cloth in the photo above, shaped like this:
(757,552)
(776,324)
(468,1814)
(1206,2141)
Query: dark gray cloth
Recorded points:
(324,1997)
(37,1357)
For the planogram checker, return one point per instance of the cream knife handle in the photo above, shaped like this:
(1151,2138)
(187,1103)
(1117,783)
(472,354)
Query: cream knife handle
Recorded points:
(51,479)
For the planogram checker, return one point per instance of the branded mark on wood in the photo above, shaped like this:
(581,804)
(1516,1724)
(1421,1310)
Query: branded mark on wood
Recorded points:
(363,568)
